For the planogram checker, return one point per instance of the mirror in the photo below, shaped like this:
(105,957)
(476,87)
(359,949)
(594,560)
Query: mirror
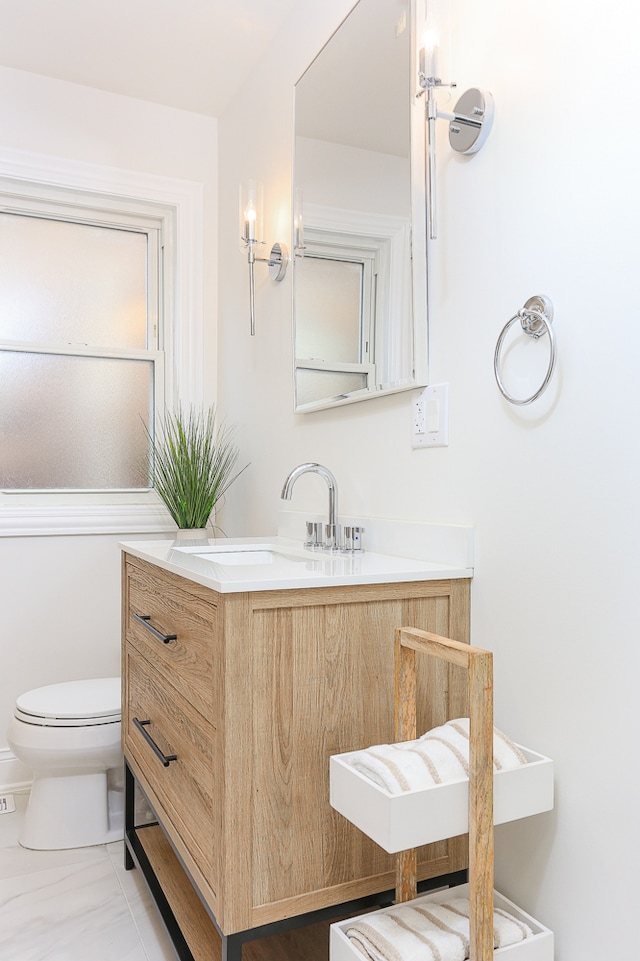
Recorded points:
(360,314)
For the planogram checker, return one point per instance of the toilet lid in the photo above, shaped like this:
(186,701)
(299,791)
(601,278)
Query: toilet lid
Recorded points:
(72,703)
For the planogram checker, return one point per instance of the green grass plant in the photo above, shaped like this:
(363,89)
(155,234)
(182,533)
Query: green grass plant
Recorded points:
(192,464)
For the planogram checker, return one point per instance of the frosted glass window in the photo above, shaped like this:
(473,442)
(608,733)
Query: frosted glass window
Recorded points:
(63,282)
(73,422)
(329,310)
(81,371)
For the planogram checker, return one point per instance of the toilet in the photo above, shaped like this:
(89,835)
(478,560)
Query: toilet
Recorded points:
(69,735)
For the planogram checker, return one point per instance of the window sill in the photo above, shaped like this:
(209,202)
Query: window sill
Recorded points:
(34,521)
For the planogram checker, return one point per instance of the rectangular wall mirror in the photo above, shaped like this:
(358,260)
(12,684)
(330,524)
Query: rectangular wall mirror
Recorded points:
(360,275)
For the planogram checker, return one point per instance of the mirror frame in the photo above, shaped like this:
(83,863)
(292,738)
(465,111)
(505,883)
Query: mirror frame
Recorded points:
(418,376)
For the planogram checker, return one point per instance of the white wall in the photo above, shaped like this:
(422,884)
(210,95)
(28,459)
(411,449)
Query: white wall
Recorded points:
(549,206)
(60,596)
(352,178)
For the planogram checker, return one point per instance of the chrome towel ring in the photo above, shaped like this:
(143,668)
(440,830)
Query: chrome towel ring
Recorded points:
(535,319)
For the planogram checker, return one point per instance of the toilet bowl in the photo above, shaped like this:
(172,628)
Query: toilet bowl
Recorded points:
(69,735)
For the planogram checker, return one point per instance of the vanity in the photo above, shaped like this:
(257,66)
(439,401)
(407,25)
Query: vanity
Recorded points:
(246,664)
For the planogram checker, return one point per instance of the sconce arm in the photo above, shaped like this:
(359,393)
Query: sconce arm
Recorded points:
(277,261)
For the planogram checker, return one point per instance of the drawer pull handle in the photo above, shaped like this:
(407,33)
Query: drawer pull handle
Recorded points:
(145,620)
(165,758)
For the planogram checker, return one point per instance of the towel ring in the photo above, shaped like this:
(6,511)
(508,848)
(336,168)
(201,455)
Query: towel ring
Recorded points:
(535,319)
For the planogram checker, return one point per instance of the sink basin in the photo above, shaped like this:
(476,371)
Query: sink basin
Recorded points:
(238,557)
(244,555)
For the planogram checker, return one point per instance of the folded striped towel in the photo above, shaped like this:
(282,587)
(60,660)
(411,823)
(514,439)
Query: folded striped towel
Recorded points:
(440,755)
(422,930)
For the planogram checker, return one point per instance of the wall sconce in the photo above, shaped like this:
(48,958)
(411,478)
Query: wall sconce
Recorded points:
(251,198)
(469,124)
(298,224)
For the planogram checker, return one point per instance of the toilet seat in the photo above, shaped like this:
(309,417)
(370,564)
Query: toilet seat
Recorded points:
(72,704)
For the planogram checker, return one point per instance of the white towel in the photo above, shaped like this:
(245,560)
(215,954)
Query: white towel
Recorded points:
(507,929)
(422,930)
(440,755)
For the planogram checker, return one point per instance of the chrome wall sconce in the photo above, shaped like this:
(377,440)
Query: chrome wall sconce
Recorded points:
(251,204)
(469,124)
(298,223)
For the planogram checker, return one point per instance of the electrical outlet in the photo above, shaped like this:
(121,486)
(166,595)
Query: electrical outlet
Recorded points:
(430,417)
(7,804)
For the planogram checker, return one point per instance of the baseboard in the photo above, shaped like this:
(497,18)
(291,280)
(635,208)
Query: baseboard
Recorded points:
(14,775)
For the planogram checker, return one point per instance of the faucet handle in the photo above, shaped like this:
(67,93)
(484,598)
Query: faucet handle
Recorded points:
(314,539)
(333,540)
(353,538)
(309,537)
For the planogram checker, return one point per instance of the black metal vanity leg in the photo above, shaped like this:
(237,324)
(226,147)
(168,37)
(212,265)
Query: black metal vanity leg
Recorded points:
(129,813)
(458,877)
(231,948)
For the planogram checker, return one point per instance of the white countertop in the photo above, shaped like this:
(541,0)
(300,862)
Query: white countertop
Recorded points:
(229,565)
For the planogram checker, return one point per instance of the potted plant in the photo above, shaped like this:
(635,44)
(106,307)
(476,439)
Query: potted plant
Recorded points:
(192,463)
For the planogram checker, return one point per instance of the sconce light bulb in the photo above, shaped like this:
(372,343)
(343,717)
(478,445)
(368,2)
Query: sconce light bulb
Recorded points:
(430,48)
(250,212)
(298,222)
(250,216)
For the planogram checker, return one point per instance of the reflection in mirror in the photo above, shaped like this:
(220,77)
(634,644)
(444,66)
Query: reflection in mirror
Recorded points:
(360,259)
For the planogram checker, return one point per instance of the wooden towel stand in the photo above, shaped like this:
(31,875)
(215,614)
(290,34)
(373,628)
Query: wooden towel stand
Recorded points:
(479,667)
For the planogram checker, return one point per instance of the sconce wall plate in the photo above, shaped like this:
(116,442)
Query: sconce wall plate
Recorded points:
(278,262)
(473,118)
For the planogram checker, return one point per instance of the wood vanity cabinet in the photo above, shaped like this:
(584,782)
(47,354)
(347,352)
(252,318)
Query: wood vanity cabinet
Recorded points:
(252,692)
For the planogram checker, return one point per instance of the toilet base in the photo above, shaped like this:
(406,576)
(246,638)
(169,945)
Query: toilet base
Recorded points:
(70,812)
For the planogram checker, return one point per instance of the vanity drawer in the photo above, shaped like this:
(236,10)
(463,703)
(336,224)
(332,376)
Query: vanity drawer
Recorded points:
(185,785)
(177,629)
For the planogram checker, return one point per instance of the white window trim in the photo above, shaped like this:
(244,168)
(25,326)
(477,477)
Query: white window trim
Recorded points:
(84,519)
(184,378)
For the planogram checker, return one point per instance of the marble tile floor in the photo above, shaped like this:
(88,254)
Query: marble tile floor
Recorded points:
(78,905)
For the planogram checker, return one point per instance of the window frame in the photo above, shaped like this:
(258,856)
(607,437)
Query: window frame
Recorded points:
(38,183)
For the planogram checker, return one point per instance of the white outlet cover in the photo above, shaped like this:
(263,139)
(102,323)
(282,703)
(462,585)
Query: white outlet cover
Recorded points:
(435,400)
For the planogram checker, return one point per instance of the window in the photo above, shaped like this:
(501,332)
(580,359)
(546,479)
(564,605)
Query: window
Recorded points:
(336,315)
(81,337)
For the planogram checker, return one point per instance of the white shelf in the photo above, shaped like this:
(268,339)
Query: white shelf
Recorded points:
(538,947)
(398,822)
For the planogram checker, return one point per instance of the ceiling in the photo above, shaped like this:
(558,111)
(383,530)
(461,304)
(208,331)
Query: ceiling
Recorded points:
(190,54)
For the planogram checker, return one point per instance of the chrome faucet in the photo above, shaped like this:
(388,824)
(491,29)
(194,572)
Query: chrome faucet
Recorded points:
(332,541)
